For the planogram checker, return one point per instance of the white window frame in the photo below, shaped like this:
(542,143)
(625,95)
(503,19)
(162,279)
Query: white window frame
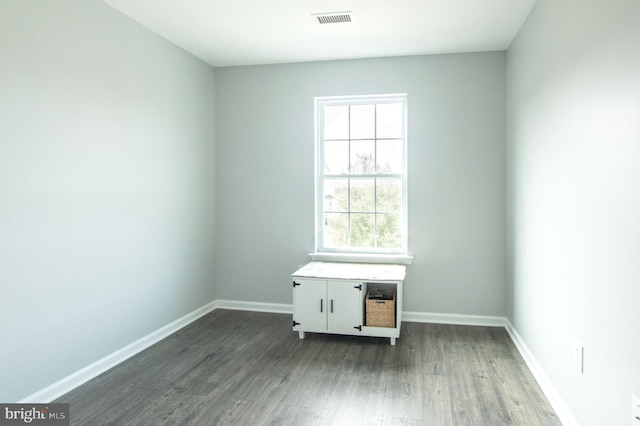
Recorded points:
(325,253)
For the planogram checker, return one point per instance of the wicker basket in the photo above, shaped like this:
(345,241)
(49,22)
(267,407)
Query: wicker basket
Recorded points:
(380,312)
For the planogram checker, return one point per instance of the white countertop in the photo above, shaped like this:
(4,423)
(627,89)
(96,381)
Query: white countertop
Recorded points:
(352,271)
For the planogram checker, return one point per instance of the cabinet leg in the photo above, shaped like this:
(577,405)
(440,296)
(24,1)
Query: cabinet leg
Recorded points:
(301,334)
(393,341)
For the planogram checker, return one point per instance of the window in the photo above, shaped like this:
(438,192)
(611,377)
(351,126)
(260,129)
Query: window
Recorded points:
(361,180)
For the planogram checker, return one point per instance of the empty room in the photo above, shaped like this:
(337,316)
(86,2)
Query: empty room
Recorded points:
(320,212)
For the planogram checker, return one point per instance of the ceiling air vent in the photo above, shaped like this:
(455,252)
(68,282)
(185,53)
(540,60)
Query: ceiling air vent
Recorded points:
(333,18)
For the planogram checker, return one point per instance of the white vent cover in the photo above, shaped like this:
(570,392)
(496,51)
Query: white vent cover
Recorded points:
(333,17)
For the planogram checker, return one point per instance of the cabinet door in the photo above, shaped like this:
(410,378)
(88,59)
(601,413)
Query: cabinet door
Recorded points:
(345,306)
(310,305)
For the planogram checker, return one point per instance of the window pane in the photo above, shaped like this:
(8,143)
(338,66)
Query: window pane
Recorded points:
(335,230)
(336,122)
(362,157)
(336,157)
(363,121)
(362,230)
(389,156)
(388,229)
(362,195)
(389,120)
(335,195)
(389,195)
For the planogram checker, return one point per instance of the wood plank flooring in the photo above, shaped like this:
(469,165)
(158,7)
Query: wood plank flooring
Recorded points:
(249,368)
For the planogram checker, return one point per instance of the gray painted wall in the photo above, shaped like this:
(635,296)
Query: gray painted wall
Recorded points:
(106,187)
(456,143)
(574,199)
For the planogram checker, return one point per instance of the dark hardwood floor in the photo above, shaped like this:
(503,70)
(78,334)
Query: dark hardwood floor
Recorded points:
(249,368)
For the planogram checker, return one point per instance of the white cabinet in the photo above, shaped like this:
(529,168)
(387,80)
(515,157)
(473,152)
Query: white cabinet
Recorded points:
(330,298)
(345,306)
(327,306)
(310,305)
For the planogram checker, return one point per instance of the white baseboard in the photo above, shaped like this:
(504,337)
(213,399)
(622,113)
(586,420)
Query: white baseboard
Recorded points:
(238,305)
(454,319)
(561,409)
(87,373)
(281,308)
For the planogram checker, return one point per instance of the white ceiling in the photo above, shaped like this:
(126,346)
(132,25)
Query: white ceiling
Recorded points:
(248,32)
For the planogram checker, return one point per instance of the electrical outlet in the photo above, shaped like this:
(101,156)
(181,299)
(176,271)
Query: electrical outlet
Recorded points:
(578,353)
(635,411)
